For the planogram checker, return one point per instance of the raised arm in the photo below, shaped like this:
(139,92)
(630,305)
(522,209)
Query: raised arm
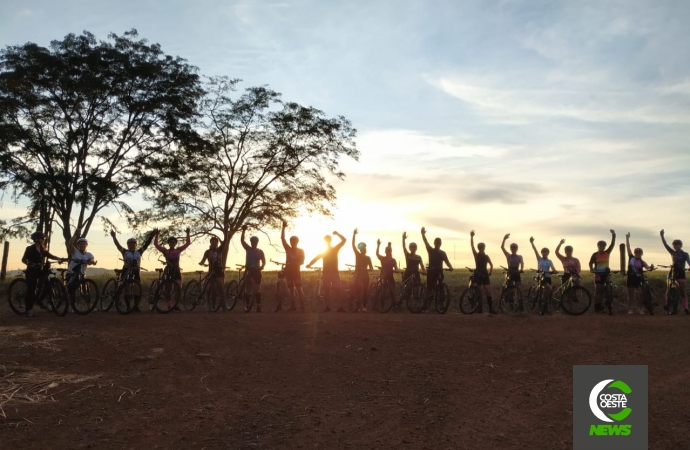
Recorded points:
(663,239)
(313,261)
(242,241)
(354,247)
(159,247)
(70,243)
(474,251)
(426,243)
(148,241)
(378,247)
(534,247)
(117,244)
(187,243)
(558,249)
(342,240)
(286,246)
(627,245)
(405,245)
(503,245)
(613,242)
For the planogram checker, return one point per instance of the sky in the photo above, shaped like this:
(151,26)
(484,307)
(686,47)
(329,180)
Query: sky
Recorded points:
(535,118)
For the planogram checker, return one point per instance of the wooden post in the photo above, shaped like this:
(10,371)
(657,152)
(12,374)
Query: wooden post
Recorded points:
(623,259)
(5,255)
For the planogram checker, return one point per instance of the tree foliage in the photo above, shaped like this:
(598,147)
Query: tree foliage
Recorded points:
(85,123)
(265,160)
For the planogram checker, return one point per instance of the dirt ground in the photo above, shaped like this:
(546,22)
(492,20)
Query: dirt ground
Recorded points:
(350,381)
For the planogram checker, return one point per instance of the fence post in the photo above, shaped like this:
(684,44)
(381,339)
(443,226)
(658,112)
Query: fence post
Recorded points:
(623,259)
(5,254)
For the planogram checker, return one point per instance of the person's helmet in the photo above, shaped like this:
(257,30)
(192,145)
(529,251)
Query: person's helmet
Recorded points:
(481,245)
(38,235)
(437,241)
(80,240)
(214,238)
(601,243)
(131,241)
(568,248)
(294,240)
(361,246)
(172,239)
(545,250)
(513,245)
(677,242)
(638,250)
(253,239)
(413,245)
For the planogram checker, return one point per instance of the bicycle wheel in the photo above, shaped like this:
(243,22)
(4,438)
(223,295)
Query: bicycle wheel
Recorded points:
(350,296)
(442,298)
(415,296)
(167,296)
(85,297)
(108,294)
(608,298)
(470,299)
(511,300)
(152,293)
(531,298)
(673,296)
(17,296)
(192,294)
(281,296)
(542,301)
(576,300)
(386,298)
(231,294)
(59,299)
(647,299)
(129,297)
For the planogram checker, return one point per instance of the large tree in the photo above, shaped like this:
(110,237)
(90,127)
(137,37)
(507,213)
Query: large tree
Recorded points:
(84,123)
(264,161)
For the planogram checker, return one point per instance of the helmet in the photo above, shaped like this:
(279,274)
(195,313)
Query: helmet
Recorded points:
(677,242)
(294,240)
(131,241)
(214,238)
(172,239)
(513,245)
(413,245)
(601,243)
(254,239)
(80,240)
(37,235)
(545,250)
(568,248)
(638,250)
(361,246)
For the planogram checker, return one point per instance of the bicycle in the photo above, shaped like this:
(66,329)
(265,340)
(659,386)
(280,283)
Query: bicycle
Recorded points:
(124,281)
(645,291)
(608,291)
(83,292)
(196,290)
(471,297)
(510,300)
(167,294)
(413,292)
(315,299)
(154,286)
(49,288)
(672,291)
(382,294)
(574,299)
(281,294)
(441,294)
(234,288)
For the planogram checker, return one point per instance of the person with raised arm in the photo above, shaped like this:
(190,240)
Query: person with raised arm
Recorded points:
(544,265)
(388,264)
(216,267)
(294,258)
(437,258)
(571,265)
(34,258)
(413,261)
(172,258)
(516,264)
(131,256)
(255,262)
(482,275)
(636,265)
(599,266)
(362,267)
(330,276)
(678,260)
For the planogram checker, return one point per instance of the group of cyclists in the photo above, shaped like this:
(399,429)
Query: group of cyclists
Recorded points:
(36,256)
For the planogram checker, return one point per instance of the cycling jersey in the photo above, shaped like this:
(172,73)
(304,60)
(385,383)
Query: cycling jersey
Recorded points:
(544,265)
(254,257)
(436,258)
(514,261)
(635,266)
(600,260)
(79,259)
(412,262)
(215,261)
(362,264)
(387,266)
(294,258)
(172,255)
(678,260)
(570,264)
(481,261)
(330,258)
(33,257)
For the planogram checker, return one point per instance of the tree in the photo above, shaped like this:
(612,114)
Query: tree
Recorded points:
(83,124)
(265,160)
